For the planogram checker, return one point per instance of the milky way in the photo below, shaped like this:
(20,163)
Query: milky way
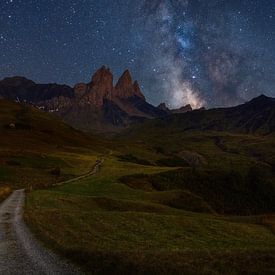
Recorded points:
(203,53)
(210,52)
(175,73)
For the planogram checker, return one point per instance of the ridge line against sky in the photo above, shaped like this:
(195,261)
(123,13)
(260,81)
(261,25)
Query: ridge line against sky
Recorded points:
(205,53)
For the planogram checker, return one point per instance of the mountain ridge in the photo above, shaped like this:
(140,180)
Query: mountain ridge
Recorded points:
(103,106)
(97,105)
(256,116)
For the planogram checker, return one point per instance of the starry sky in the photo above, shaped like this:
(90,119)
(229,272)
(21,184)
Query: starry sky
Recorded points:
(204,53)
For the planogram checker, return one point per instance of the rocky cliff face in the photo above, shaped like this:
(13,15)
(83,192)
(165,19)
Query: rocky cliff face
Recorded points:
(101,88)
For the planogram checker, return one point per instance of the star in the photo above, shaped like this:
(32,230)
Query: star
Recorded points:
(211,44)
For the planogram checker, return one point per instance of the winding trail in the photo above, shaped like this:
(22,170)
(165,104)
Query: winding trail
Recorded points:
(20,252)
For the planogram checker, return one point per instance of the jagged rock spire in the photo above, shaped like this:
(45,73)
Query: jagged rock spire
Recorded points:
(103,78)
(125,87)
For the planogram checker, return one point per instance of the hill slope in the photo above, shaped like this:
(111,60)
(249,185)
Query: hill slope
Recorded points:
(256,116)
(38,149)
(111,228)
(24,126)
(227,157)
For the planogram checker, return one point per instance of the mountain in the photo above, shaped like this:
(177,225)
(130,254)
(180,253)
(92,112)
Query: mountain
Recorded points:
(254,117)
(100,105)
(97,105)
(23,89)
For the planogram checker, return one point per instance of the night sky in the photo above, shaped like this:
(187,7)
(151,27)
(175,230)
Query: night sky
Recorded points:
(206,53)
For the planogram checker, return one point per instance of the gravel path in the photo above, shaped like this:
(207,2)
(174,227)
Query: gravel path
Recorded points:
(20,253)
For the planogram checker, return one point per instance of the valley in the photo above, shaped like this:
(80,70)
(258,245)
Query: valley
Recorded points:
(192,201)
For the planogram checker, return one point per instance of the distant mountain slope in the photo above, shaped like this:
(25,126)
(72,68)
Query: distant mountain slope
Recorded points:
(25,127)
(256,116)
(100,105)
(23,89)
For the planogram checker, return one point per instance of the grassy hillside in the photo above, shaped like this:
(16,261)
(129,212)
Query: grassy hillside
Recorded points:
(232,173)
(38,150)
(108,227)
(225,192)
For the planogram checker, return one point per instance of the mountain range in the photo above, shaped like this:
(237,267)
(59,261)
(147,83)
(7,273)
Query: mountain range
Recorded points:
(102,106)
(97,105)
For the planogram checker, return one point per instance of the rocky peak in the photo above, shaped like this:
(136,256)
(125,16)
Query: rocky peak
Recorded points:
(125,81)
(125,87)
(101,87)
(103,77)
